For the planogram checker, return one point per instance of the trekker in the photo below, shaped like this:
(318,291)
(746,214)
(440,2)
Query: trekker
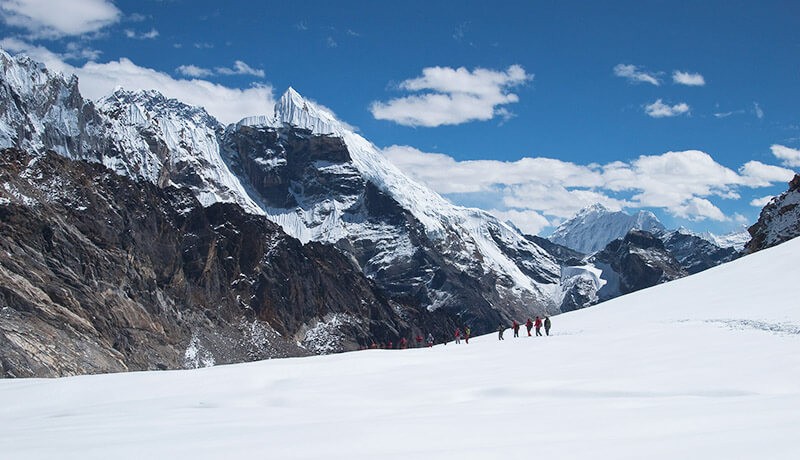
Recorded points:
(547,325)
(515,325)
(430,340)
(538,325)
(419,340)
(458,335)
(529,325)
(403,343)
(467,332)
(500,329)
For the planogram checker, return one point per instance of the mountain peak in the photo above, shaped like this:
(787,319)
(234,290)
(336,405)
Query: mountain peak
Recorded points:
(593,227)
(293,109)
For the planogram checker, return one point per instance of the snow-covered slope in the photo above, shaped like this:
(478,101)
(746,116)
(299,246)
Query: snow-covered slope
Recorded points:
(592,228)
(703,367)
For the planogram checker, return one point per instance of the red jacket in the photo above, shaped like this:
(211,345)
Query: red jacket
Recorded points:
(538,323)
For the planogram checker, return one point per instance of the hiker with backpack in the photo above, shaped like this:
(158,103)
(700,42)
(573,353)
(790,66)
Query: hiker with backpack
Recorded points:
(500,329)
(515,325)
(458,335)
(547,325)
(467,332)
(529,325)
(430,340)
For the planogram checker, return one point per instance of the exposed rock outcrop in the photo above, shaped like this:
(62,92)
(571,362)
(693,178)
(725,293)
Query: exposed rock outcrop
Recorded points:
(99,273)
(779,221)
(635,262)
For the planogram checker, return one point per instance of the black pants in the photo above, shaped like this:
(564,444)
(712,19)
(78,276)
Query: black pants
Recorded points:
(538,332)
(547,330)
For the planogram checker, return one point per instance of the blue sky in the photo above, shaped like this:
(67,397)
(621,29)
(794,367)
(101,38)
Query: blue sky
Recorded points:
(529,109)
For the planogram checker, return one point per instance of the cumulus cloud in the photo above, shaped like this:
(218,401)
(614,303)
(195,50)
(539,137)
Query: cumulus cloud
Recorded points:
(153,33)
(634,75)
(96,80)
(757,174)
(49,19)
(789,156)
(660,110)
(688,79)
(453,96)
(240,68)
(683,183)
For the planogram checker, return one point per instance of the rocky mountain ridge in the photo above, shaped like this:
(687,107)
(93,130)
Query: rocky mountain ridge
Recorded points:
(99,273)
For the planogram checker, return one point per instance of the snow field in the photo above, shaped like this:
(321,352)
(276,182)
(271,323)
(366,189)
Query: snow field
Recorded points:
(704,367)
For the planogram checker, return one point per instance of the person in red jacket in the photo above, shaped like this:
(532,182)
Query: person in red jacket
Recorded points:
(458,335)
(403,343)
(529,325)
(538,325)
(419,340)
(515,325)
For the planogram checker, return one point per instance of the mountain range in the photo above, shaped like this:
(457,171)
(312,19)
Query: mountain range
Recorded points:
(282,234)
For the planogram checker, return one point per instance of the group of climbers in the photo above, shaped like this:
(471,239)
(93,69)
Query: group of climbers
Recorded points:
(429,341)
(530,324)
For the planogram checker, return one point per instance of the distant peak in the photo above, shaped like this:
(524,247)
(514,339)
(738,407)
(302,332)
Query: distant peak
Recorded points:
(293,109)
(596,208)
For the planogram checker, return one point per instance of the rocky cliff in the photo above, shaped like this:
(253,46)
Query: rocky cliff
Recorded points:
(99,273)
(779,221)
(635,262)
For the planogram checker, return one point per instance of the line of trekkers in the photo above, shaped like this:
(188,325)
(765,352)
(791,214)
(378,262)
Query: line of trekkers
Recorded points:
(528,325)
(465,335)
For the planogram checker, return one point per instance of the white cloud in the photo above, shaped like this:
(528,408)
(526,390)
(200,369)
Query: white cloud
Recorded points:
(241,68)
(683,183)
(453,96)
(55,19)
(757,174)
(194,71)
(660,110)
(698,209)
(530,222)
(228,105)
(761,202)
(634,75)
(688,79)
(789,156)
(153,33)
(758,110)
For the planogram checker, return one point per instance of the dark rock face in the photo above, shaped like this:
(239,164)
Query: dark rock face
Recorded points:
(779,221)
(696,254)
(635,262)
(99,274)
(292,169)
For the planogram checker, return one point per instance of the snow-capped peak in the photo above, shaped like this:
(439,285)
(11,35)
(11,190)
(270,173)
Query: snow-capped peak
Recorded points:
(293,109)
(593,227)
